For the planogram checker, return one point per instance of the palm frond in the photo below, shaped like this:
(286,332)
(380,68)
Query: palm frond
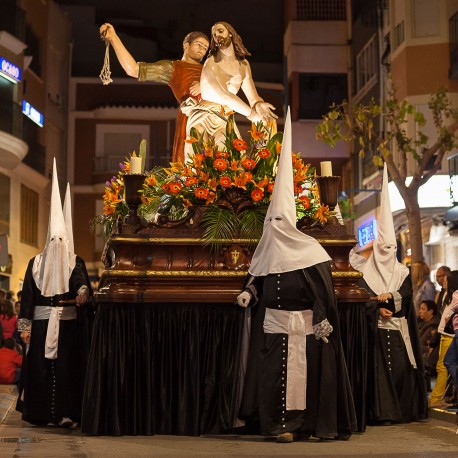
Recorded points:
(252,223)
(220,224)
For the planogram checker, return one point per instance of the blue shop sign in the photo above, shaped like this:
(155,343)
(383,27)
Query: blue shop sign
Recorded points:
(32,113)
(367,233)
(9,71)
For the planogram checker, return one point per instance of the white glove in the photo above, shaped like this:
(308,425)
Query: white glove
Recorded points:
(243,299)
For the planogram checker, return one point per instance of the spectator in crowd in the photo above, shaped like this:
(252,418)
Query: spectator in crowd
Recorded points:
(426,290)
(17,304)
(10,362)
(2,294)
(8,319)
(446,336)
(427,328)
(441,277)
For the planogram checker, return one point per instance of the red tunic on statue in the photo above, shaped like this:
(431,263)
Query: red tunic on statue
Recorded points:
(183,75)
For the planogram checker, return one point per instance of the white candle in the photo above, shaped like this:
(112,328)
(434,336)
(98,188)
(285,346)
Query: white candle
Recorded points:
(135,165)
(326,169)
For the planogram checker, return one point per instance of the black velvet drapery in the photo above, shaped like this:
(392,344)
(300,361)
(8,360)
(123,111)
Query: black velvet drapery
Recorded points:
(169,368)
(353,334)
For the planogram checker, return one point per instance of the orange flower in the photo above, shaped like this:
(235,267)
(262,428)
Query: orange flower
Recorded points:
(151,181)
(208,151)
(322,214)
(255,133)
(248,176)
(278,148)
(241,180)
(201,193)
(297,189)
(146,200)
(235,165)
(248,164)
(175,187)
(203,176)
(220,164)
(257,195)
(262,183)
(225,181)
(305,201)
(212,184)
(222,154)
(270,186)
(239,144)
(198,159)
(191,140)
(191,181)
(165,187)
(297,163)
(264,153)
(211,198)
(108,210)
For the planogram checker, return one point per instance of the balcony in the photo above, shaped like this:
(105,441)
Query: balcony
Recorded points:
(12,148)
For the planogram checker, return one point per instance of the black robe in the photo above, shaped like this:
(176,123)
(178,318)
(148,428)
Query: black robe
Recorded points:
(52,389)
(396,391)
(330,412)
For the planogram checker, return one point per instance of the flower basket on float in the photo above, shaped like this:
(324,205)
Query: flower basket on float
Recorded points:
(225,192)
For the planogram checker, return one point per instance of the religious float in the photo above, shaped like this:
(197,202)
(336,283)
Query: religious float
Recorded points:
(166,356)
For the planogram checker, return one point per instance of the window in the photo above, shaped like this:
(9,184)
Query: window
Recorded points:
(318,92)
(4,204)
(398,34)
(425,18)
(367,64)
(29,216)
(321,10)
(114,142)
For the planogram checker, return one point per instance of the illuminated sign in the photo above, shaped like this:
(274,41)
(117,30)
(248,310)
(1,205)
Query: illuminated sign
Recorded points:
(32,113)
(367,233)
(9,71)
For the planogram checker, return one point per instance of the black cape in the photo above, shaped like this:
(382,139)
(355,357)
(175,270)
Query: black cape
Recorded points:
(396,392)
(330,411)
(52,389)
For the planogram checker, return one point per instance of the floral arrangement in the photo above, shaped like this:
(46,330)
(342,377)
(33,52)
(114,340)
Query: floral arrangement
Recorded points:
(208,174)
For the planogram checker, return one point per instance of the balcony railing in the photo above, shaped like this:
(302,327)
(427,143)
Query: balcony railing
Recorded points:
(321,10)
(12,19)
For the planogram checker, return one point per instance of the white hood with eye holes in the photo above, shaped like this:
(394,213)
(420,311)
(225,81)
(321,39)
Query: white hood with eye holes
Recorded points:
(53,267)
(382,271)
(283,248)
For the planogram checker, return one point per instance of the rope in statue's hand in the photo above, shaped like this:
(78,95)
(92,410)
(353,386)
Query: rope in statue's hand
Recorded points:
(105,74)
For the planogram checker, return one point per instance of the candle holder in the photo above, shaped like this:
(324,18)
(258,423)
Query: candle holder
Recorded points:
(328,187)
(132,184)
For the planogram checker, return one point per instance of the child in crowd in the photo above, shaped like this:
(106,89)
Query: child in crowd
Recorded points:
(10,363)
(8,319)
